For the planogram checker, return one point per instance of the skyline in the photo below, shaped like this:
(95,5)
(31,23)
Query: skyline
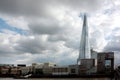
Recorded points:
(49,31)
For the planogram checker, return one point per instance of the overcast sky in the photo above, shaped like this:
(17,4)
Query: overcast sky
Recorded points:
(49,30)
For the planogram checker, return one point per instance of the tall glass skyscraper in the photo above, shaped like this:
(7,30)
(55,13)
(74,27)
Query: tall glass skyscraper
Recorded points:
(84,50)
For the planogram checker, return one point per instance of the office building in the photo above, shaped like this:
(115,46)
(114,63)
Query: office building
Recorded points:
(105,63)
(84,51)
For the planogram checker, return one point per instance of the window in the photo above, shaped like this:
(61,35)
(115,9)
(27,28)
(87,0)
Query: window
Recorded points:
(107,62)
(72,70)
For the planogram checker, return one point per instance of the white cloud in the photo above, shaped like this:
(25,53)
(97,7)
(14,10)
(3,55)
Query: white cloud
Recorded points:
(54,28)
(18,22)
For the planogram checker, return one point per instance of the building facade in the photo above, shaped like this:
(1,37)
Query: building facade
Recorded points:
(105,63)
(87,66)
(73,69)
(84,51)
(60,70)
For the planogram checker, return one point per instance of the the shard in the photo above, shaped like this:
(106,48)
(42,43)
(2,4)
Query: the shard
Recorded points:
(84,50)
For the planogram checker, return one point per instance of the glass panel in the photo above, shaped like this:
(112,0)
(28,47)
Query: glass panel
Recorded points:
(107,62)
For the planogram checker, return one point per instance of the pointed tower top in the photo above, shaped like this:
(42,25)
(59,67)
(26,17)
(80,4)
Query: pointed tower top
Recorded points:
(85,20)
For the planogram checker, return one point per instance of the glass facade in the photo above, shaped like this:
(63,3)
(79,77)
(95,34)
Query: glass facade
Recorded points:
(84,51)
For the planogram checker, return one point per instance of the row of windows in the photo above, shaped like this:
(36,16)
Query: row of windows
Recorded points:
(60,69)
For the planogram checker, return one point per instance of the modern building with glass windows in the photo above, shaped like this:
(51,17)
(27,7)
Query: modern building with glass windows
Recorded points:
(84,50)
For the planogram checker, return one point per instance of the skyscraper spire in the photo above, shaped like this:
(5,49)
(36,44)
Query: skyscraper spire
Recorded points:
(84,51)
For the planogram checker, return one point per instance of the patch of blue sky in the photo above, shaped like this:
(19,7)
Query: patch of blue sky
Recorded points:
(4,25)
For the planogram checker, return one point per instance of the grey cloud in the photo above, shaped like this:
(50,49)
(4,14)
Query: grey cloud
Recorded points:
(36,12)
(38,45)
(74,44)
(113,45)
(94,38)
(68,36)
(83,5)
(57,37)
(23,7)
(41,7)
(31,45)
(7,50)
(114,41)
(7,47)
(46,26)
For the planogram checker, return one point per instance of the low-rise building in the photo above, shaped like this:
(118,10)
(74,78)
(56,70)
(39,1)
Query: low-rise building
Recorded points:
(86,66)
(7,65)
(73,69)
(4,70)
(48,68)
(15,71)
(48,71)
(48,64)
(37,68)
(26,70)
(60,70)
(43,68)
